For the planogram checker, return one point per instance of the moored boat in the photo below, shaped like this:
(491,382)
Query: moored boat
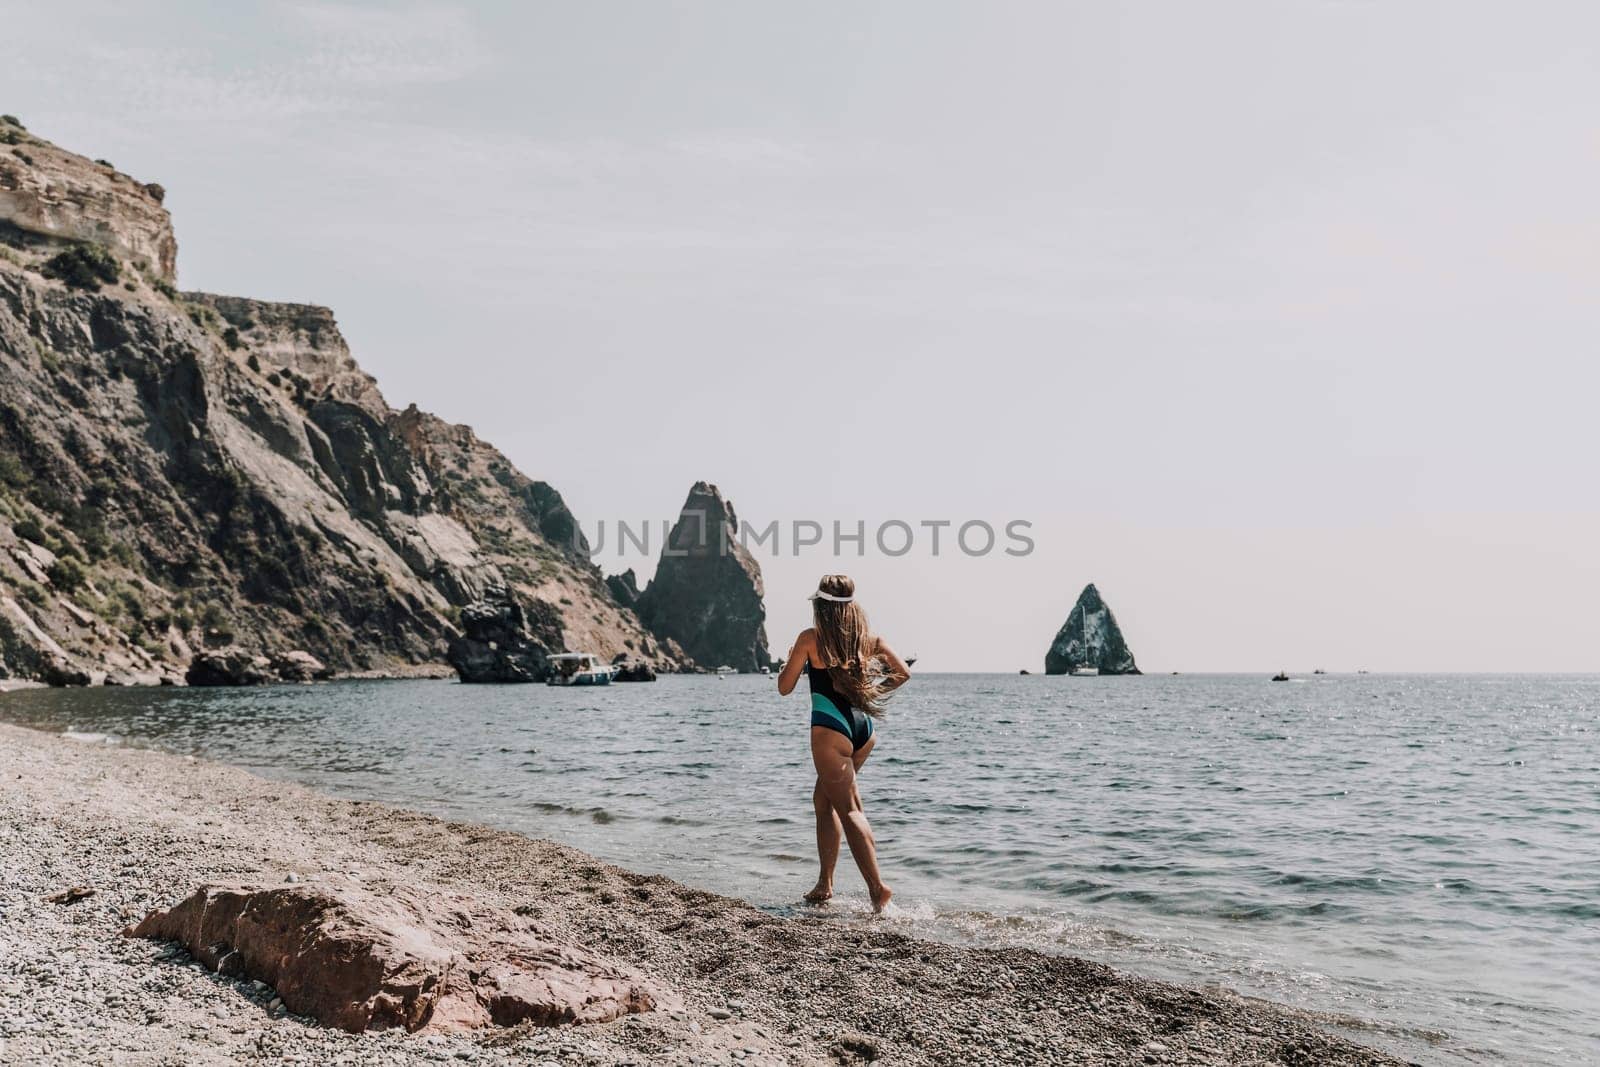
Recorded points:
(579,668)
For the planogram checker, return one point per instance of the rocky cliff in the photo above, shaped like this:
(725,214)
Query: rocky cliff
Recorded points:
(1090,638)
(181,471)
(707,593)
(64,197)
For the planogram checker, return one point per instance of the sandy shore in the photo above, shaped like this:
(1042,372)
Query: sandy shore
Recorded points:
(143,829)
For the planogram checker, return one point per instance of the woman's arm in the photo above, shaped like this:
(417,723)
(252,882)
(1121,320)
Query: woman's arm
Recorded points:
(797,661)
(899,674)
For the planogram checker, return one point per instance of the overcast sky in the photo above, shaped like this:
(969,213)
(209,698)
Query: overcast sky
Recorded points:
(1278,320)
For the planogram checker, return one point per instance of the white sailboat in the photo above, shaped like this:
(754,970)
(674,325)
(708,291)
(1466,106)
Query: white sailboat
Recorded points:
(1084,671)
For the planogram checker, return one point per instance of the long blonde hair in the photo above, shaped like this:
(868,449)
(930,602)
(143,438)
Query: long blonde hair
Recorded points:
(847,646)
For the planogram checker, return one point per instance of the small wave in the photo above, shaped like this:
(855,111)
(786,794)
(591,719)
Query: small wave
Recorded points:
(599,815)
(1360,1024)
(86,737)
(678,820)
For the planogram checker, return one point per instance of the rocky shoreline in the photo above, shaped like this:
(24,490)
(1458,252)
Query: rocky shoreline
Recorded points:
(143,829)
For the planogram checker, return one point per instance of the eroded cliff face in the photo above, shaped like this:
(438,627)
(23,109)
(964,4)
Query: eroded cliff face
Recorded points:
(1090,638)
(707,591)
(181,470)
(55,194)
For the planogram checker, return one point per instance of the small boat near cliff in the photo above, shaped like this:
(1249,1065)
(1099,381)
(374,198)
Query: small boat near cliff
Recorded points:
(579,668)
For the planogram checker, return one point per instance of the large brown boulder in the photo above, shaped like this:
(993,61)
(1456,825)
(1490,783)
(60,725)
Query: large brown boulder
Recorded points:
(360,959)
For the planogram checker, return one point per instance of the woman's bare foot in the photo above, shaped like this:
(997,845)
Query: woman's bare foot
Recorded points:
(880,898)
(820,892)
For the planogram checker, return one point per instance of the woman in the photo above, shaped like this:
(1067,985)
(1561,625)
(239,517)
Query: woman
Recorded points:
(841,657)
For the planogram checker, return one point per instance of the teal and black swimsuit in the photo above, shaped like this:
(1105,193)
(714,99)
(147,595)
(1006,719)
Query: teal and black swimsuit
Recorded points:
(831,711)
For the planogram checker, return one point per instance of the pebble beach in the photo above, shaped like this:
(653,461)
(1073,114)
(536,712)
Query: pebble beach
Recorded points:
(142,829)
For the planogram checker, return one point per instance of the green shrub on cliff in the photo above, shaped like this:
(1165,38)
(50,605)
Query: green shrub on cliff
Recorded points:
(132,604)
(102,490)
(203,316)
(230,337)
(67,574)
(12,120)
(30,529)
(82,266)
(33,592)
(12,471)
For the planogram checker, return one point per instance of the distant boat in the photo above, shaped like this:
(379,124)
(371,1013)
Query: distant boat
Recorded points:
(579,668)
(1024,671)
(1280,677)
(765,669)
(1319,670)
(911,660)
(1085,672)
(724,669)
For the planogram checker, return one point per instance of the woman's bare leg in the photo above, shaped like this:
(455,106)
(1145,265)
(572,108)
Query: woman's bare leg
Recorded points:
(829,834)
(830,831)
(836,774)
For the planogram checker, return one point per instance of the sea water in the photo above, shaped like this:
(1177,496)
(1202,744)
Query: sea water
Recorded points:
(1416,859)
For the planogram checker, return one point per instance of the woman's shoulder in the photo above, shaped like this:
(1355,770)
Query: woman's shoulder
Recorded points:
(807,636)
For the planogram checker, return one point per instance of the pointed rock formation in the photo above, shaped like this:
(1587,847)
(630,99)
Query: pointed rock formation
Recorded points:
(707,591)
(1090,638)
(624,588)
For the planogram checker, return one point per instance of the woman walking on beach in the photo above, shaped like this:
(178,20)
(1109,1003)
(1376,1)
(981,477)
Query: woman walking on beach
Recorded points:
(851,671)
